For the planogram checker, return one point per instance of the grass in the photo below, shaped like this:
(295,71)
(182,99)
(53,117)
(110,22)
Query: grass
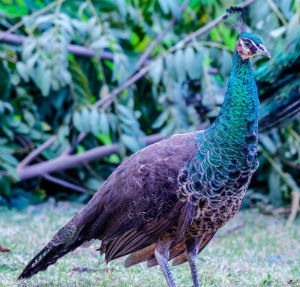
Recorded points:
(251,250)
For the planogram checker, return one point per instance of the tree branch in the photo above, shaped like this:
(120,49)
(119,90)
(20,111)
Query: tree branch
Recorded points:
(70,161)
(277,12)
(73,49)
(21,23)
(159,38)
(205,28)
(36,152)
(110,97)
(65,183)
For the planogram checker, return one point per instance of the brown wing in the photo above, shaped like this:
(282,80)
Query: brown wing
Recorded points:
(138,202)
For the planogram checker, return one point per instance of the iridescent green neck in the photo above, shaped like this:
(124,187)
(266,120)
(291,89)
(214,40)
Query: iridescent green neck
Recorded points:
(239,113)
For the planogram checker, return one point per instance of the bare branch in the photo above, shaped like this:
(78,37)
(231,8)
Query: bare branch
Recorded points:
(65,183)
(205,28)
(159,38)
(277,12)
(73,49)
(88,53)
(110,97)
(36,152)
(21,23)
(70,161)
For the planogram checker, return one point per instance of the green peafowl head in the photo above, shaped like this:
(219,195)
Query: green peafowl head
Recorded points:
(248,45)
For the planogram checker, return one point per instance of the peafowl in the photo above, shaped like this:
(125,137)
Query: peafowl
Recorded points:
(167,201)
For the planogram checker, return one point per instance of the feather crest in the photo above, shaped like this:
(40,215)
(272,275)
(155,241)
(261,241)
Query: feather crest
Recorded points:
(236,18)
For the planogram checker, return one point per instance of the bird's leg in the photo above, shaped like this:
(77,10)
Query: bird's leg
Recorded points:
(162,255)
(192,248)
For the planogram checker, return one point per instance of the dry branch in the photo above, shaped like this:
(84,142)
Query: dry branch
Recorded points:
(30,157)
(65,183)
(189,38)
(73,49)
(159,38)
(70,161)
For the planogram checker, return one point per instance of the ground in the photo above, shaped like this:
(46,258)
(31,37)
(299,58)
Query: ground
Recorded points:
(251,250)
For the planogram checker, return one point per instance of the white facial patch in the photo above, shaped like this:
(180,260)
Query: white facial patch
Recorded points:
(248,48)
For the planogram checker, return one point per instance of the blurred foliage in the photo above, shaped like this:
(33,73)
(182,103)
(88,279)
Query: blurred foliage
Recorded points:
(47,91)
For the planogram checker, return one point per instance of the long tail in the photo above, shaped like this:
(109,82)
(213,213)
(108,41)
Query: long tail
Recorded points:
(64,241)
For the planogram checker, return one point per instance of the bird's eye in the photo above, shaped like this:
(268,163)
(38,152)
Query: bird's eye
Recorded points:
(247,43)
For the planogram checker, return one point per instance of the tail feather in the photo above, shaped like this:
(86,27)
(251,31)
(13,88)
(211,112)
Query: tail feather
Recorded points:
(65,240)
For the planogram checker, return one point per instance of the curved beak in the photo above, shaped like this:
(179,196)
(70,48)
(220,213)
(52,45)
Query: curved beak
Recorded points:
(262,50)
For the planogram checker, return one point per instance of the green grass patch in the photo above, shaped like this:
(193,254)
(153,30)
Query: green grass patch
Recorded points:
(251,250)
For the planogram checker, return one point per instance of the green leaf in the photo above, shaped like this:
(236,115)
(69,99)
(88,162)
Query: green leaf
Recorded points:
(100,44)
(156,69)
(104,138)
(8,132)
(94,121)
(77,121)
(5,186)
(23,129)
(179,66)
(164,6)
(169,129)
(80,149)
(3,141)
(174,8)
(8,158)
(29,118)
(93,183)
(268,143)
(45,83)
(113,122)
(103,122)
(274,188)
(193,63)
(124,111)
(130,142)
(85,120)
(35,135)
(170,65)
(226,63)
(161,119)
(11,171)
(14,122)
(22,70)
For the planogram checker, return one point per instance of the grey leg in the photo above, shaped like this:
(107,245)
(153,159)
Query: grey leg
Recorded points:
(162,255)
(192,248)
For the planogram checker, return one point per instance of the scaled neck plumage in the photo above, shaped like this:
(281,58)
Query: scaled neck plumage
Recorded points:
(238,116)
